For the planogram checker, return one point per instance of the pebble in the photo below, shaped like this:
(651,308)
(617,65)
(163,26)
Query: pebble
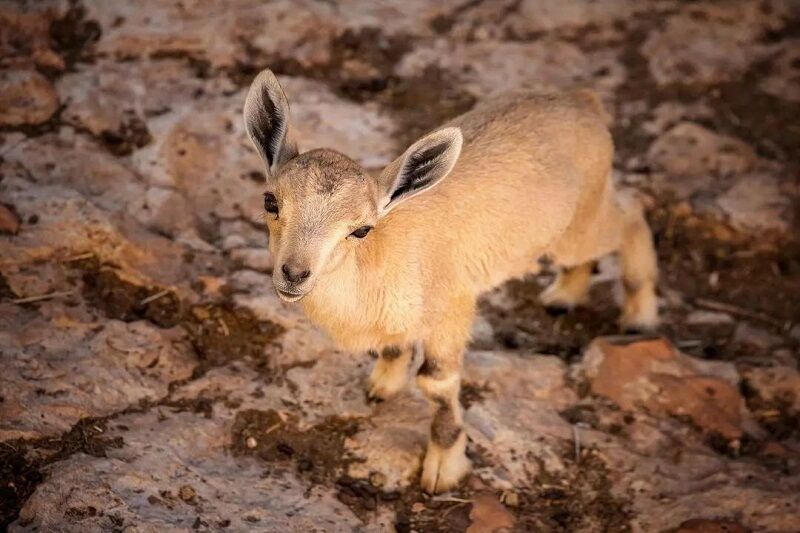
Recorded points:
(251,442)
(377,479)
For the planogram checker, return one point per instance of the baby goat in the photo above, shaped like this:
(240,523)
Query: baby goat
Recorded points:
(385,263)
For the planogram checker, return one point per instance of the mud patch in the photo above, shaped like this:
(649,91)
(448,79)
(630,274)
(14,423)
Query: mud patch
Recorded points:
(132,134)
(317,452)
(221,333)
(580,500)
(72,34)
(119,299)
(777,416)
(5,289)
(527,325)
(22,462)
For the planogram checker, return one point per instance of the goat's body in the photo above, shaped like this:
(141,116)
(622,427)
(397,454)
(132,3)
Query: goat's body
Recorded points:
(532,180)
(466,207)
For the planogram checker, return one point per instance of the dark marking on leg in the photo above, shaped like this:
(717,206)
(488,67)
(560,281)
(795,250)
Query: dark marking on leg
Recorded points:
(390,353)
(444,428)
(430,369)
(372,353)
(630,286)
(545,262)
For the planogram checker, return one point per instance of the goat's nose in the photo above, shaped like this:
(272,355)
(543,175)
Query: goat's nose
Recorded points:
(293,275)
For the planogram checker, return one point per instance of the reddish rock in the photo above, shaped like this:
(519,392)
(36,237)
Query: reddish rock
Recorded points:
(26,97)
(9,221)
(654,375)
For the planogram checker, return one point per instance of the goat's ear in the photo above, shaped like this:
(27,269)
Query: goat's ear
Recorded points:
(266,119)
(426,163)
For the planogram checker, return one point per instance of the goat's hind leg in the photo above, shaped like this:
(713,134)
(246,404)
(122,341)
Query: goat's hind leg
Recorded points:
(638,262)
(569,289)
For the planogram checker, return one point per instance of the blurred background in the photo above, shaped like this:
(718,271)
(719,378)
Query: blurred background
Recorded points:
(151,380)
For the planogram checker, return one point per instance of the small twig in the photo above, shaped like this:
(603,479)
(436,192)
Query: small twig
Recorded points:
(577,439)
(690,343)
(40,297)
(78,257)
(450,499)
(154,297)
(272,428)
(736,310)
(456,506)
(224,326)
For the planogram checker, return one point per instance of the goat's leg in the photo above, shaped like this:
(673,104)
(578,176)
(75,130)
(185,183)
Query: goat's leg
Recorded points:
(390,373)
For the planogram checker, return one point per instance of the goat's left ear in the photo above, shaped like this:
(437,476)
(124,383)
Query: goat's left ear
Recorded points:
(426,163)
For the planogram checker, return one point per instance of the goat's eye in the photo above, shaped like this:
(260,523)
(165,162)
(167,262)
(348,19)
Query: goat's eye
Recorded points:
(270,203)
(361,232)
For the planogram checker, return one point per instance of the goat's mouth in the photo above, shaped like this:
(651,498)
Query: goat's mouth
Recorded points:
(289,296)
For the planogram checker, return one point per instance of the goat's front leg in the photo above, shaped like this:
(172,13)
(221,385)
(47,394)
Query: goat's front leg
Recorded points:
(439,378)
(390,373)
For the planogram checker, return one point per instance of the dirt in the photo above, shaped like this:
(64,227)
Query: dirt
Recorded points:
(22,463)
(119,299)
(72,34)
(218,331)
(221,333)
(316,452)
(578,499)
(131,135)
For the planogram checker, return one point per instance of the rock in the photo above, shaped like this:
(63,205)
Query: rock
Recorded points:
(68,224)
(254,258)
(26,98)
(709,43)
(26,36)
(775,384)
(144,474)
(689,153)
(755,337)
(489,516)
(491,68)
(702,525)
(708,318)
(301,31)
(654,375)
(393,444)
(9,221)
(119,365)
(782,80)
(756,202)
(322,119)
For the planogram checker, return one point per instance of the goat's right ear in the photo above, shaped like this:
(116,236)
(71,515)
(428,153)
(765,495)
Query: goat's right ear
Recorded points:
(266,119)
(425,164)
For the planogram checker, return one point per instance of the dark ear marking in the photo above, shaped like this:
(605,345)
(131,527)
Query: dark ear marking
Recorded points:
(266,116)
(272,127)
(421,167)
(416,172)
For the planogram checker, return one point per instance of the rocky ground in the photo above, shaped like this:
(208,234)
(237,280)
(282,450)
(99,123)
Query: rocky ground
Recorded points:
(150,380)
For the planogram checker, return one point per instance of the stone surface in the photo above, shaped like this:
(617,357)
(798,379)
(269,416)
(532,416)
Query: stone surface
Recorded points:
(126,177)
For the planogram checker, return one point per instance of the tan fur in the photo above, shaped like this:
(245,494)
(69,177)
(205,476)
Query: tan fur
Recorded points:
(532,180)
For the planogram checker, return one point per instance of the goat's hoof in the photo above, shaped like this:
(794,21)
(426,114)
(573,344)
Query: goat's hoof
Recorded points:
(444,468)
(386,381)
